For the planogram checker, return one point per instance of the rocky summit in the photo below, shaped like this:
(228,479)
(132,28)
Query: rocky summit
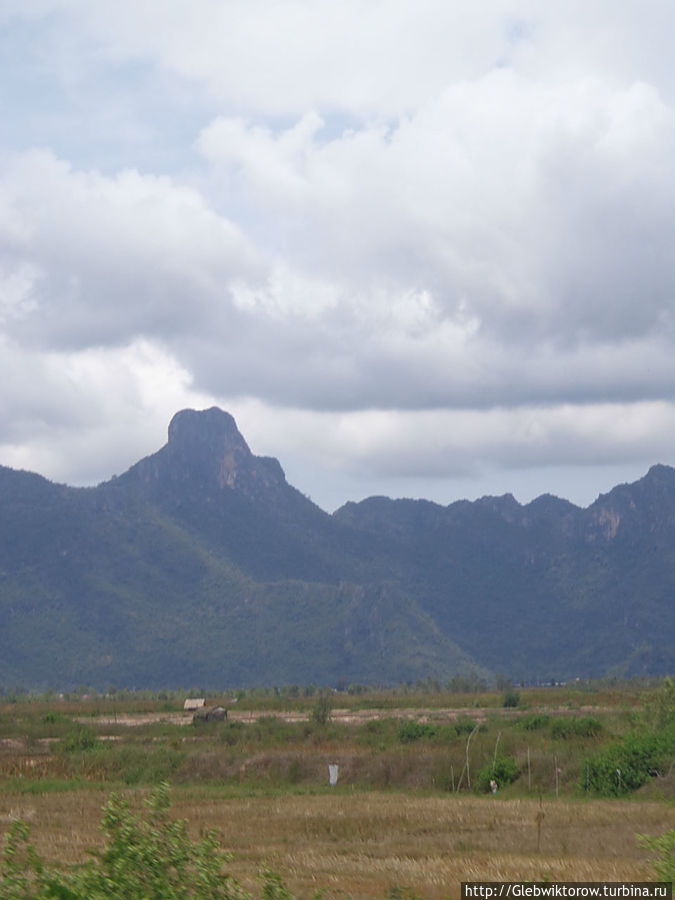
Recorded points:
(207,449)
(202,566)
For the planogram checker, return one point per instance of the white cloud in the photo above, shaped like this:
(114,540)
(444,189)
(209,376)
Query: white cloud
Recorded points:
(448,443)
(82,416)
(526,206)
(575,452)
(118,257)
(428,237)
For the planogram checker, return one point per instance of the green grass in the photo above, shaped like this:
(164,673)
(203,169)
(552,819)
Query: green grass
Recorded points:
(421,749)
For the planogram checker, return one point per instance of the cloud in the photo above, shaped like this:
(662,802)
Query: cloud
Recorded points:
(428,237)
(452,443)
(526,206)
(375,59)
(82,416)
(508,244)
(445,455)
(278,59)
(112,259)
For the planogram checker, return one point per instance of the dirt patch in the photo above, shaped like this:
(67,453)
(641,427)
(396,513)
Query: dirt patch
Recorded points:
(347,716)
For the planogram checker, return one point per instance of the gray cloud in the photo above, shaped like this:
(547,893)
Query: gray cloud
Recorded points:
(448,226)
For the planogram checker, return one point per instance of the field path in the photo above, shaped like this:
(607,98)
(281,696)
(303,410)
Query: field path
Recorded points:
(346,716)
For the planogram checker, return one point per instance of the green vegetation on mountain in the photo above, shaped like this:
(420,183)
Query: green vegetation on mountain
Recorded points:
(201,565)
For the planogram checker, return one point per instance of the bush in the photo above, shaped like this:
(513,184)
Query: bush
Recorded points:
(322,708)
(142,858)
(664,845)
(80,739)
(413,731)
(379,733)
(232,733)
(503,770)
(533,722)
(141,765)
(464,725)
(511,698)
(585,726)
(624,767)
(661,709)
(402,893)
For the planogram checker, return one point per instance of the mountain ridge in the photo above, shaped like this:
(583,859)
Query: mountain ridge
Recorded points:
(201,564)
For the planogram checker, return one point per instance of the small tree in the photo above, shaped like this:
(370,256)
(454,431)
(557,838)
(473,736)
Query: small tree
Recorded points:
(503,770)
(323,706)
(511,698)
(143,857)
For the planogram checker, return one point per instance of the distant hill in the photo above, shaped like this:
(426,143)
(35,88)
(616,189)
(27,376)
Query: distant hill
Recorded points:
(202,566)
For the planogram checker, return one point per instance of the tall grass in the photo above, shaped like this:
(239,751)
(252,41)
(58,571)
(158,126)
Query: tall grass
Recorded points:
(368,843)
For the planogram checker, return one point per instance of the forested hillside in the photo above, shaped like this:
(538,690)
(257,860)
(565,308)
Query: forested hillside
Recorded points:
(202,565)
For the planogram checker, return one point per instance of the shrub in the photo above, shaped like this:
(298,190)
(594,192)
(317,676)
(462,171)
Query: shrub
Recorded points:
(585,726)
(503,770)
(625,766)
(378,732)
(232,733)
(464,725)
(322,708)
(51,717)
(664,845)
(661,708)
(81,738)
(141,765)
(533,722)
(511,698)
(142,857)
(413,731)
(402,893)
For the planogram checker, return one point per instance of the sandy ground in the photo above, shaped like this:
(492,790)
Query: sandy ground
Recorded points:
(347,716)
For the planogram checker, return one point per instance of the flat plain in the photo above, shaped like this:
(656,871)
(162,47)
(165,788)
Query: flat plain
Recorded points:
(400,822)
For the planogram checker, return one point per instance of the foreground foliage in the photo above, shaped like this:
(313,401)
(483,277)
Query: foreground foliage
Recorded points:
(626,765)
(149,858)
(664,846)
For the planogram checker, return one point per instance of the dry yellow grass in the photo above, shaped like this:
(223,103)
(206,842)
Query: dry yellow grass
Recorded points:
(364,843)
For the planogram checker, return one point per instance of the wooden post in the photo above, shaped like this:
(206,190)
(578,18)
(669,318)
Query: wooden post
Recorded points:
(468,741)
(539,818)
(529,772)
(461,778)
(494,758)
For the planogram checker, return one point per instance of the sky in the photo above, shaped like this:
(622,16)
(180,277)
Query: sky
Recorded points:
(420,248)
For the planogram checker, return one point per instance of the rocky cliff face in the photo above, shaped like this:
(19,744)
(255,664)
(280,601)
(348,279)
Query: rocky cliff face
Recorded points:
(206,445)
(207,449)
(634,511)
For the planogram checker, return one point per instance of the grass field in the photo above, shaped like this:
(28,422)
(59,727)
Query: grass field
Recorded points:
(367,843)
(402,816)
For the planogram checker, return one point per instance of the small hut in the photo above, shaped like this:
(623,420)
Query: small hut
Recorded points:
(193,703)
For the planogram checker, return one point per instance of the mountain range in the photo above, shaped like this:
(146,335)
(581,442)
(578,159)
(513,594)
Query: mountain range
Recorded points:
(202,566)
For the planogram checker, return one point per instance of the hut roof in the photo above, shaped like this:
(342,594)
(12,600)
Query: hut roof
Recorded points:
(194,703)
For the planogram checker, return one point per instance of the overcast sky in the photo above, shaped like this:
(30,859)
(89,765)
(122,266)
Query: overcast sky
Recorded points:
(416,247)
